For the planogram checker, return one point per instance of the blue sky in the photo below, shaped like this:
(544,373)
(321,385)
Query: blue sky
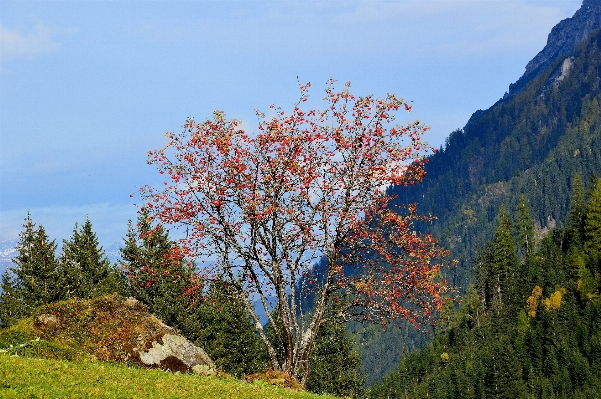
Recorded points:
(87,88)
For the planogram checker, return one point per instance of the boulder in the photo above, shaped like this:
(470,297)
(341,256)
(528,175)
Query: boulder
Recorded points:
(176,353)
(112,329)
(46,322)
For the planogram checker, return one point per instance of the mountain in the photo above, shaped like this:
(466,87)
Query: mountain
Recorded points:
(562,40)
(532,142)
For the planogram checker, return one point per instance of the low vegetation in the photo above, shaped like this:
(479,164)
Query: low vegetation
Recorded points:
(85,354)
(22,377)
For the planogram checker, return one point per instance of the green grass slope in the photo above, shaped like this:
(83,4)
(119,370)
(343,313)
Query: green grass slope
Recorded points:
(22,377)
(84,355)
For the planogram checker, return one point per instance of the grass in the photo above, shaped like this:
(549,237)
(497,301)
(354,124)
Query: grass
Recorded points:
(23,377)
(86,356)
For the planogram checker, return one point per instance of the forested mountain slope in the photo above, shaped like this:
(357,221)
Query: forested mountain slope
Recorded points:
(532,143)
(526,150)
(531,325)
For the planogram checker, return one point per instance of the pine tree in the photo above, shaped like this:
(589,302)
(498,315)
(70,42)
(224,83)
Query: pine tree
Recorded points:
(335,364)
(592,224)
(158,275)
(224,329)
(503,376)
(486,281)
(90,271)
(504,254)
(575,223)
(11,308)
(38,276)
(524,226)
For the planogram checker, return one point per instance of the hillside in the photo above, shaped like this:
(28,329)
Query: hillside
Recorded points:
(530,326)
(532,142)
(22,377)
(106,347)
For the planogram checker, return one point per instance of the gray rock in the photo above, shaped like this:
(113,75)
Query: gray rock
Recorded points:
(46,322)
(176,353)
(562,41)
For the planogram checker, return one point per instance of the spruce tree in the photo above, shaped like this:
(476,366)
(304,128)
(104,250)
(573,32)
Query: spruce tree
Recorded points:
(90,271)
(11,307)
(38,276)
(223,327)
(486,281)
(592,224)
(504,254)
(335,366)
(524,226)
(158,275)
(575,223)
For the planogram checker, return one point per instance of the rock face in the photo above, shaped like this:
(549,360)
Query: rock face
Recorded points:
(176,353)
(562,41)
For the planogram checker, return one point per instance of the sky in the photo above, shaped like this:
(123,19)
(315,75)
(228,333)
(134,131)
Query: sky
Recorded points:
(87,88)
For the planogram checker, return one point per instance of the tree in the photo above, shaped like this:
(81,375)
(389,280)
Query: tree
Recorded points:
(159,275)
(262,208)
(575,223)
(592,223)
(11,308)
(89,270)
(224,328)
(335,364)
(504,254)
(38,276)
(524,226)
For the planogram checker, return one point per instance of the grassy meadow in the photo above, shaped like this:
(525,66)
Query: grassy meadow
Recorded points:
(24,377)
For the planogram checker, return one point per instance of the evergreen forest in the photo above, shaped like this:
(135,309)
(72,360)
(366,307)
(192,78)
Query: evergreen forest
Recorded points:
(530,325)
(530,144)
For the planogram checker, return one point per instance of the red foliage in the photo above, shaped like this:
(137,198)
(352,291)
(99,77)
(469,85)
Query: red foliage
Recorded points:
(265,207)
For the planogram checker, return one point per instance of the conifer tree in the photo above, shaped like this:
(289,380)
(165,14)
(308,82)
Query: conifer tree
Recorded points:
(592,224)
(335,364)
(486,281)
(224,329)
(158,275)
(11,308)
(38,276)
(504,253)
(90,271)
(575,224)
(524,226)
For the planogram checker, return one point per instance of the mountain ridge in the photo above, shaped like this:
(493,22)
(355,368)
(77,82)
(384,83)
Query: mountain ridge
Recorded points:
(533,143)
(507,141)
(562,40)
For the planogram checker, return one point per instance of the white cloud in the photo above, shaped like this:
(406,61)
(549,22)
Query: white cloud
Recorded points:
(14,44)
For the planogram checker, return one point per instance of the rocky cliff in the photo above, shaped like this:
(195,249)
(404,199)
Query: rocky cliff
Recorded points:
(562,41)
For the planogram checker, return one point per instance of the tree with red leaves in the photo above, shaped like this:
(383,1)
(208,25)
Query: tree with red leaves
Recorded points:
(261,208)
